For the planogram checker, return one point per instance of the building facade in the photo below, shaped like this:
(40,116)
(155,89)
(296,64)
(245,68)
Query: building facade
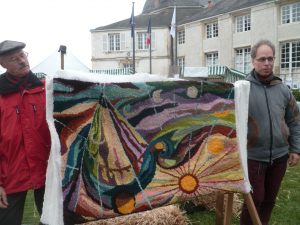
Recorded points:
(209,33)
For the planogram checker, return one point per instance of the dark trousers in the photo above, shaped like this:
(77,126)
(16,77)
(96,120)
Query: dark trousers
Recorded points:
(14,213)
(265,180)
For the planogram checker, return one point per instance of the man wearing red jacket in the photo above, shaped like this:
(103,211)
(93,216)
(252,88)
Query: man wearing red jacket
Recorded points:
(24,134)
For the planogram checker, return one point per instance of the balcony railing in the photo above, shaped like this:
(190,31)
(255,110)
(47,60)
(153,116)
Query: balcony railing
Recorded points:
(114,71)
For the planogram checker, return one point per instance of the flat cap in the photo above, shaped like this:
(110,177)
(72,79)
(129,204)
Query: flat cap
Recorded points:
(8,46)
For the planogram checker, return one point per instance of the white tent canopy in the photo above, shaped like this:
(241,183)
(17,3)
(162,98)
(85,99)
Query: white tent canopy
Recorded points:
(53,63)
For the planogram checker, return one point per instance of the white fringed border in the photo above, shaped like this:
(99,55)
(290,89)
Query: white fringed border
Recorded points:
(53,202)
(241,99)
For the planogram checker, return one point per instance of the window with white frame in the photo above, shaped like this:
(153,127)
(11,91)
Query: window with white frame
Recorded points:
(180,64)
(181,37)
(141,41)
(290,13)
(212,59)
(212,30)
(290,55)
(114,42)
(243,23)
(243,59)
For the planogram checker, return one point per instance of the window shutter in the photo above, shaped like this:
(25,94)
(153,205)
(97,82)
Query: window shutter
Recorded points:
(153,40)
(127,42)
(123,41)
(105,45)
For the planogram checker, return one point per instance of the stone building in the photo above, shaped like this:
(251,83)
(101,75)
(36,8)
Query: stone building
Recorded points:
(209,33)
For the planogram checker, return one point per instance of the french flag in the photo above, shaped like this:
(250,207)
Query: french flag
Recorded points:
(148,39)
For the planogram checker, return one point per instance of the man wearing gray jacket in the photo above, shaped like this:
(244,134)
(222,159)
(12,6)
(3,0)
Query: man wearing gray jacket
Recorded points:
(273,132)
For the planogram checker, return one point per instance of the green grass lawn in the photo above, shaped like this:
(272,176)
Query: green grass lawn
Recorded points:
(31,216)
(286,211)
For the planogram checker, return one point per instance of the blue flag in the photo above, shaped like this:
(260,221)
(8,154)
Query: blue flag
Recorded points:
(132,21)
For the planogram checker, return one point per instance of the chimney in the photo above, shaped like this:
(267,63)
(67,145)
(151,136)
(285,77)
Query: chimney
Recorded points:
(209,4)
(63,50)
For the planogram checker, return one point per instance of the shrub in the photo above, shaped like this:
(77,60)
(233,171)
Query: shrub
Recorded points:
(296,93)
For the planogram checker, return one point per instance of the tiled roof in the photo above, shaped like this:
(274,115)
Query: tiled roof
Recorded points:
(223,6)
(159,19)
(154,5)
(187,11)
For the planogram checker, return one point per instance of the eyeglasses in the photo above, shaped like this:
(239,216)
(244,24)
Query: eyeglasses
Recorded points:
(16,58)
(263,59)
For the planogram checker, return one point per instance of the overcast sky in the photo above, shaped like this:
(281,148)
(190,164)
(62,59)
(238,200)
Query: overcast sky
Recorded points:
(44,25)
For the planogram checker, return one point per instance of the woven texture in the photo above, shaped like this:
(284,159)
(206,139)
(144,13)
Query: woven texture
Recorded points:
(134,146)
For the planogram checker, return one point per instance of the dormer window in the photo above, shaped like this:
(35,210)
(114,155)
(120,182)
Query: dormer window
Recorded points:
(243,23)
(212,30)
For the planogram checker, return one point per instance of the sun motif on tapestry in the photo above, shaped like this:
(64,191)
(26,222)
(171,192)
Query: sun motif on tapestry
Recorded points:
(133,146)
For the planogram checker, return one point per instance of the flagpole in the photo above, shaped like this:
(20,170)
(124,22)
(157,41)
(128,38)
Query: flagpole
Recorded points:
(150,49)
(172,52)
(173,33)
(175,40)
(132,21)
(133,39)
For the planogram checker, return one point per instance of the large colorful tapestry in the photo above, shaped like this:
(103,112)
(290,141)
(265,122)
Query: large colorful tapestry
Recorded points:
(135,143)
